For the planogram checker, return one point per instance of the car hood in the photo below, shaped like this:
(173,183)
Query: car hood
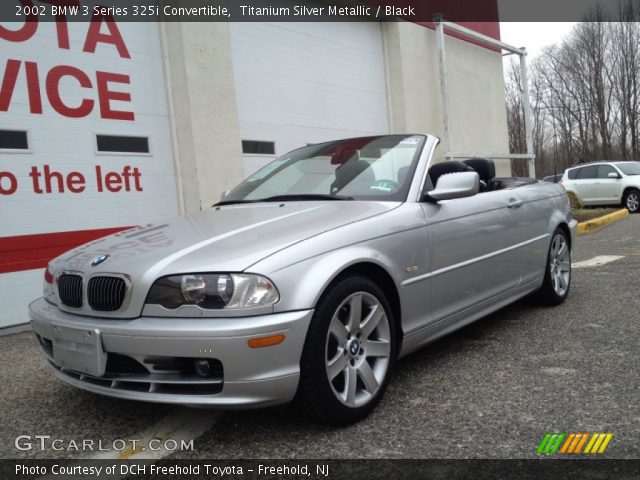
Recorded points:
(223,239)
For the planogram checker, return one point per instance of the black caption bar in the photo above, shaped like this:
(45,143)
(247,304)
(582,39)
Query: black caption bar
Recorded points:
(304,10)
(320,469)
(248,10)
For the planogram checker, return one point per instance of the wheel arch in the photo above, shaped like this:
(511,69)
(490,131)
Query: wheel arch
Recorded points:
(565,228)
(627,189)
(303,284)
(381,277)
(315,391)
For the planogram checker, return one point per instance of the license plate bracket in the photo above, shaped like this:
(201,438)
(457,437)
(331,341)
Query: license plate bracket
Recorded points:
(79,349)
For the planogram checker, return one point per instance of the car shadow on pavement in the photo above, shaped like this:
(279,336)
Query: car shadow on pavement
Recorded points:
(455,380)
(419,380)
(33,402)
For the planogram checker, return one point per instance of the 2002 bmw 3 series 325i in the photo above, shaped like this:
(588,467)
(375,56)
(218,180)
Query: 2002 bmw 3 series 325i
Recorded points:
(311,278)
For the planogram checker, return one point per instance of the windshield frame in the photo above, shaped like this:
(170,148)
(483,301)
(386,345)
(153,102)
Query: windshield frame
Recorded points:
(401,195)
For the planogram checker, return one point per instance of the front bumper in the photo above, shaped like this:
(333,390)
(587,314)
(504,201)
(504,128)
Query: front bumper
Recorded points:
(247,377)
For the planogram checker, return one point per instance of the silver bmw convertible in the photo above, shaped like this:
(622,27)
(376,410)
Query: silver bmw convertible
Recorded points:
(308,280)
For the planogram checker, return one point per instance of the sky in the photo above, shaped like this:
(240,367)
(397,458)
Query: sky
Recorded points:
(534,35)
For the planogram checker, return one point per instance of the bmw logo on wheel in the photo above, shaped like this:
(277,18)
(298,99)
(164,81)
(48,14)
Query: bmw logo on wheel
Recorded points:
(98,260)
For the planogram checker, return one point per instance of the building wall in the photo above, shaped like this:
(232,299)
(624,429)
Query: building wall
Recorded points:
(300,83)
(64,89)
(186,95)
(203,72)
(205,118)
(476,90)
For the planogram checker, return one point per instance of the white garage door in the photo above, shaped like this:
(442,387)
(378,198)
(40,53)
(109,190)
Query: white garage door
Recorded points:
(84,143)
(299,83)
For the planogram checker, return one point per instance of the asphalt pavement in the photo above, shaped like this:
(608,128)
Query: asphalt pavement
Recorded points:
(490,390)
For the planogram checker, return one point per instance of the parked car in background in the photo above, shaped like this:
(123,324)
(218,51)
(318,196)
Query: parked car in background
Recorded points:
(553,178)
(605,183)
(311,277)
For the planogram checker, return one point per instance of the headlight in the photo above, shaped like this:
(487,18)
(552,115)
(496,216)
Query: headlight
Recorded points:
(213,291)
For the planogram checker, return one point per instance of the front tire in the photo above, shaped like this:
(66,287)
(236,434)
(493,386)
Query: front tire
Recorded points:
(557,276)
(631,200)
(349,352)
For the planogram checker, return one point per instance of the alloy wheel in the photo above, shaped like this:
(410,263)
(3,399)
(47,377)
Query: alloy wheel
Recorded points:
(560,265)
(358,349)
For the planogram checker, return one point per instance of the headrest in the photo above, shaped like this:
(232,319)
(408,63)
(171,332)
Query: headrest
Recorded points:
(348,171)
(485,168)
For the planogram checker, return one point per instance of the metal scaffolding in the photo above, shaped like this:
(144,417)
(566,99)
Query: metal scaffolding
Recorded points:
(441,26)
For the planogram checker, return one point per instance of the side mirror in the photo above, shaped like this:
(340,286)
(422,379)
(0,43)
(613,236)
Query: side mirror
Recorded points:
(456,185)
(224,194)
(613,175)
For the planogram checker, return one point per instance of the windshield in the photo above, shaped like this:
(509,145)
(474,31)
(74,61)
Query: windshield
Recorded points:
(629,168)
(367,168)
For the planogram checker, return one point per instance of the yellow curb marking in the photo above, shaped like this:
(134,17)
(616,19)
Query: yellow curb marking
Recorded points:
(183,424)
(597,223)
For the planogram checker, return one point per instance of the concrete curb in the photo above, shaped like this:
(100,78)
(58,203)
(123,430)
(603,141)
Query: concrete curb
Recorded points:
(12,330)
(597,223)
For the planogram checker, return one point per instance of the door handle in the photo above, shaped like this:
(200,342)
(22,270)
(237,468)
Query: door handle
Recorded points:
(515,203)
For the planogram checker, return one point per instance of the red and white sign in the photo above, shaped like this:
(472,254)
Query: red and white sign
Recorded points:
(64,83)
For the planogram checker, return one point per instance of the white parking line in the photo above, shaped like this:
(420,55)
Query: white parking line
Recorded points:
(598,261)
(165,436)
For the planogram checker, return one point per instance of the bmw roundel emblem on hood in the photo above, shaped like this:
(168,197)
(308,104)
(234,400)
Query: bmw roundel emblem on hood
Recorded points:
(98,260)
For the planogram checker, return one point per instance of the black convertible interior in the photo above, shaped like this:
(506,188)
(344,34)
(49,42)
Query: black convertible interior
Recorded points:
(486,170)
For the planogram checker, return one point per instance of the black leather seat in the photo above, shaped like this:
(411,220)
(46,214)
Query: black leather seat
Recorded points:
(401,174)
(501,183)
(348,171)
(486,170)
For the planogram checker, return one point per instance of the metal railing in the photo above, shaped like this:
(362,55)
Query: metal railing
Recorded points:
(441,26)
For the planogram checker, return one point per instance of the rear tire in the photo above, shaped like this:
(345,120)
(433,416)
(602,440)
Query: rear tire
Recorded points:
(349,352)
(631,200)
(557,275)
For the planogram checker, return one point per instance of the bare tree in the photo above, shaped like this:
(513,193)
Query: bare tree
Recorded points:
(515,118)
(585,93)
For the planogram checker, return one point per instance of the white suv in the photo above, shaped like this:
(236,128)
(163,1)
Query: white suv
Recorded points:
(605,183)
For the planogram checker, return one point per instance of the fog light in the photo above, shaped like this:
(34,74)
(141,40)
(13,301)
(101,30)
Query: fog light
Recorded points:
(203,367)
